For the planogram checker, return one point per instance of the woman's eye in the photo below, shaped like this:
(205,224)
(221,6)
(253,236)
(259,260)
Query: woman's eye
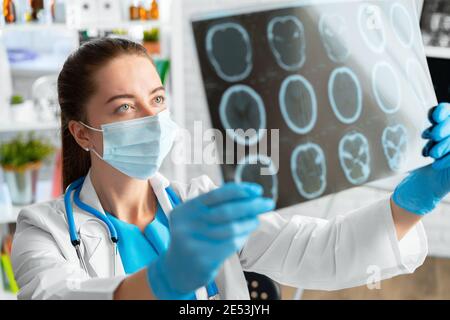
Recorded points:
(124,108)
(159,99)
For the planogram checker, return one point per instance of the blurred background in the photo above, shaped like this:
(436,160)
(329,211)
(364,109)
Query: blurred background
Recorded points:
(37,36)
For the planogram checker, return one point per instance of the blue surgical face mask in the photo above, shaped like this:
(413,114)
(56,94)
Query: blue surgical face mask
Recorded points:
(137,147)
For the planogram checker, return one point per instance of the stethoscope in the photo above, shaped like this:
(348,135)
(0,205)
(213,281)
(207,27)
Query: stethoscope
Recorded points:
(75,188)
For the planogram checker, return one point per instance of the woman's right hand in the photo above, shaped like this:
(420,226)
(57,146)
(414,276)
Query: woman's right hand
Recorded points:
(205,231)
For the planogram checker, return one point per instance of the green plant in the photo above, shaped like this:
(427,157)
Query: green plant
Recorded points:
(21,152)
(16,99)
(151,35)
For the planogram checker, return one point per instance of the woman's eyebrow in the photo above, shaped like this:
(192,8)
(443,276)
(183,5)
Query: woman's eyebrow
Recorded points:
(130,96)
(161,88)
(120,96)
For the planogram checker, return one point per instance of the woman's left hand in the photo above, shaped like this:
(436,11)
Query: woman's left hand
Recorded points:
(422,190)
(439,135)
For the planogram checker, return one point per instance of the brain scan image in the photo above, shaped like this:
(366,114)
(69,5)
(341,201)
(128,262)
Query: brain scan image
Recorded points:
(354,157)
(309,170)
(386,87)
(334,33)
(395,142)
(229,51)
(344,92)
(258,169)
(371,27)
(332,92)
(241,107)
(298,104)
(418,80)
(286,37)
(402,24)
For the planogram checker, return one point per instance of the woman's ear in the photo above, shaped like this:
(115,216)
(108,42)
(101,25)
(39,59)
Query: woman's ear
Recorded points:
(80,134)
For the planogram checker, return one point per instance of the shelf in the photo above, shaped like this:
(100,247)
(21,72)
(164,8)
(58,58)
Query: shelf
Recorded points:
(97,25)
(13,217)
(437,52)
(12,127)
(8,296)
(119,25)
(44,64)
(33,26)
(43,193)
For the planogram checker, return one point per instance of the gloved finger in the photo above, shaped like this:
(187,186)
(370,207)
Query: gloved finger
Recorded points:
(442,164)
(439,113)
(430,115)
(235,210)
(441,130)
(426,134)
(440,149)
(426,150)
(229,230)
(230,191)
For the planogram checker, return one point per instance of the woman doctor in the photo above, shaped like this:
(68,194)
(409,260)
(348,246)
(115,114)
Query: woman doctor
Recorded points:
(126,232)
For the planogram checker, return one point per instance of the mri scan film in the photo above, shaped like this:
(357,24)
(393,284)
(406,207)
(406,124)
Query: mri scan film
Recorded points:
(342,85)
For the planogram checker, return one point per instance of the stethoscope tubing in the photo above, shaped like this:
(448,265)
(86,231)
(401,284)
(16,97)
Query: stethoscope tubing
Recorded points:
(75,189)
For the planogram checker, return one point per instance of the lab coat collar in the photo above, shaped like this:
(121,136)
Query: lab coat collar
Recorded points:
(98,253)
(158,182)
(88,194)
(95,253)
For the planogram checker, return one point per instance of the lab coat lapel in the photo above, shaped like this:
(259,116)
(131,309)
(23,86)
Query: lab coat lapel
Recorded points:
(94,235)
(159,184)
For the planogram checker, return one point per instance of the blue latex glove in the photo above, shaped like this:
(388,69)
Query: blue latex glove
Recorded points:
(422,190)
(205,231)
(439,134)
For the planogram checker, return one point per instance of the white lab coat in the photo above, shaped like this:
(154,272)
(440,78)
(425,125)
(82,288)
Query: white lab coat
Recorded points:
(300,251)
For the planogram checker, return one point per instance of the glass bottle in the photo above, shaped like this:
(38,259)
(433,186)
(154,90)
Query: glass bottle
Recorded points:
(36,6)
(52,9)
(154,10)
(142,11)
(134,10)
(9,11)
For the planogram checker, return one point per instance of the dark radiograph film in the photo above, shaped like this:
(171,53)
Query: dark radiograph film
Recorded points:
(345,95)
(249,170)
(230,65)
(345,83)
(354,157)
(242,108)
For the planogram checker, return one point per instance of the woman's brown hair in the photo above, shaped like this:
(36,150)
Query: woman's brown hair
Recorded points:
(76,86)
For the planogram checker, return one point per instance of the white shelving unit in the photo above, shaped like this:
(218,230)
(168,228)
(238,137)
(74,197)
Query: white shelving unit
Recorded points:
(48,64)
(11,127)
(13,217)
(32,26)
(44,188)
(8,296)
(5,295)
(147,24)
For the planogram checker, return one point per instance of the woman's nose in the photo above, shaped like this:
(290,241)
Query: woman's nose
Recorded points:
(149,111)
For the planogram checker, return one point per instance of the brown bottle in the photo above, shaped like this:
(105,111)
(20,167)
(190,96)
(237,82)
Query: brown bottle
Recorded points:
(52,9)
(36,6)
(154,10)
(134,11)
(9,11)
(142,12)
